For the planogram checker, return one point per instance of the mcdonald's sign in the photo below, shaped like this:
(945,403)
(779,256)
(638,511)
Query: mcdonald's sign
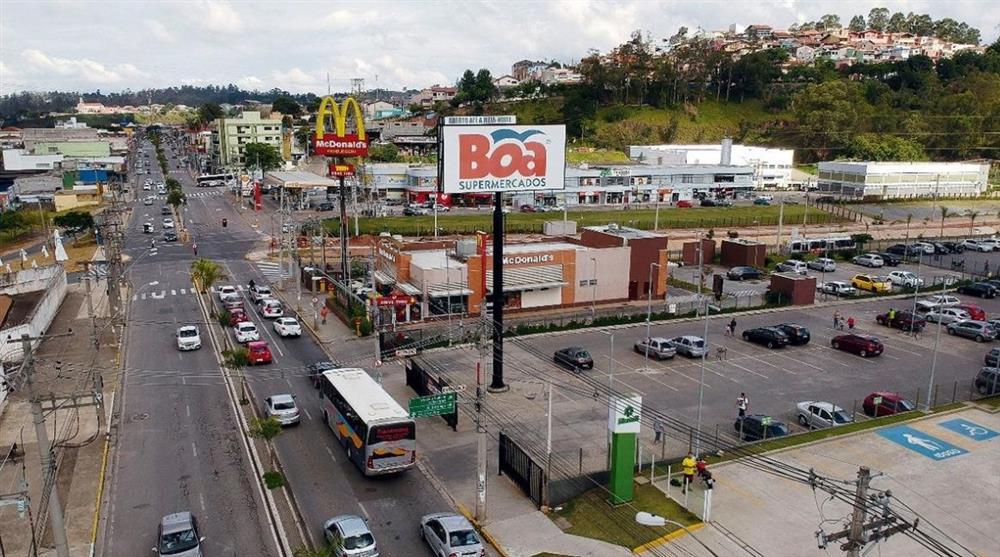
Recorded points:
(339,143)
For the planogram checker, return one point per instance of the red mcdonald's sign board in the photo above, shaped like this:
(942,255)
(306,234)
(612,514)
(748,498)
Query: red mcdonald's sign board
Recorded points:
(339,143)
(341,170)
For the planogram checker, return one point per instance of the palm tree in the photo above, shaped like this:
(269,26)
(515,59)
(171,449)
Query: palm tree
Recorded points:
(972,220)
(944,214)
(236,360)
(204,273)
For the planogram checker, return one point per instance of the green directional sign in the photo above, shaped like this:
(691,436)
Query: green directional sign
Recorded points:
(433,405)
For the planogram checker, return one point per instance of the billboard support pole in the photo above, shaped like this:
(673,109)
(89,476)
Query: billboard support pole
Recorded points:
(344,264)
(496,382)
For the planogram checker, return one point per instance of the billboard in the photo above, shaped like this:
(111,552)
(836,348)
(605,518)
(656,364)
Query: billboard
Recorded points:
(339,143)
(480,120)
(482,159)
(341,170)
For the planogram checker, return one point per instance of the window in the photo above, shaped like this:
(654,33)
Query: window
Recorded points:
(593,282)
(584,282)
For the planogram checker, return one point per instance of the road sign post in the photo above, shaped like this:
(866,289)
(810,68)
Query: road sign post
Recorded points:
(433,405)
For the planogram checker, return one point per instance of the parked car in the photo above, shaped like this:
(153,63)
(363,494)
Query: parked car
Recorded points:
(657,347)
(259,291)
(978,289)
(177,536)
(946,315)
(793,266)
(287,327)
(761,201)
(884,403)
(246,331)
(903,249)
(324,206)
(992,242)
(758,426)
(821,415)
(527,208)
(856,343)
(410,211)
(975,312)
(771,337)
(316,369)
(954,247)
(868,260)
(271,309)
(684,204)
(823,264)
(744,273)
(976,245)
(871,283)
(943,300)
(798,335)
(837,288)
(574,357)
(890,259)
(905,279)
(992,358)
(188,338)
(349,536)
(260,352)
(450,534)
(282,408)
(987,381)
(903,320)
(978,330)
(689,345)
(924,248)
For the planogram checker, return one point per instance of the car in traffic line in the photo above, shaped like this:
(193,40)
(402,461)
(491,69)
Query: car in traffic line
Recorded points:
(798,335)
(902,320)
(246,331)
(168,223)
(287,327)
(771,337)
(574,357)
(147,201)
(689,345)
(259,291)
(259,352)
(871,283)
(756,427)
(271,309)
(821,415)
(226,291)
(450,535)
(169,236)
(237,315)
(744,273)
(905,279)
(981,331)
(822,264)
(856,343)
(349,536)
(837,288)
(868,260)
(177,536)
(978,289)
(316,369)
(188,338)
(883,403)
(656,347)
(282,408)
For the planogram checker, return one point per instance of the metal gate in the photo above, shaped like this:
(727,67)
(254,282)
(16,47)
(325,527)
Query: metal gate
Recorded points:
(424,384)
(521,469)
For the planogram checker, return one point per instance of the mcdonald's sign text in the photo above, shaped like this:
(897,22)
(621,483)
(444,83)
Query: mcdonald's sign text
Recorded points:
(333,145)
(339,143)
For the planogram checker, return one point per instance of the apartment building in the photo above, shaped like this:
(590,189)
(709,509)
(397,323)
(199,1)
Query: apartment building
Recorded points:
(231,135)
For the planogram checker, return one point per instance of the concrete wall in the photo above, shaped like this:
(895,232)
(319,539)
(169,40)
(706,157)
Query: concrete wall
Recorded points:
(612,283)
(53,280)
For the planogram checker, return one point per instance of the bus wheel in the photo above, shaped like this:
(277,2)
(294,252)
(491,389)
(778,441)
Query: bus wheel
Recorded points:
(349,452)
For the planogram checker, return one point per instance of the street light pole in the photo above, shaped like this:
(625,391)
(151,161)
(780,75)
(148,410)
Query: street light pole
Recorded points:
(649,307)
(611,367)
(930,382)
(704,355)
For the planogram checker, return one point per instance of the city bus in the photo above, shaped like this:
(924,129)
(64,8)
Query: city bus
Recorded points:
(815,245)
(377,433)
(210,180)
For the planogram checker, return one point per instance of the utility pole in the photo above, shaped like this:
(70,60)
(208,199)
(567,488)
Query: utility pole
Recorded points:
(855,540)
(110,225)
(859,535)
(484,334)
(90,310)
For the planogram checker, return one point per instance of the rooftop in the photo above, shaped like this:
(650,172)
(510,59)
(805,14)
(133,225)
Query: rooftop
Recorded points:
(18,308)
(624,231)
(299,179)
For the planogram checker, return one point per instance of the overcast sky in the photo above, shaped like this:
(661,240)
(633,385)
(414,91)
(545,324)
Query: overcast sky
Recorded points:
(81,45)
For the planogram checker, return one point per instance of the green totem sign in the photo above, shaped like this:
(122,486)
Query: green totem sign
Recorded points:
(624,417)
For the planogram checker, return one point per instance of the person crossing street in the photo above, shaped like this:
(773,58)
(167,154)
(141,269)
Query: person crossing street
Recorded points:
(742,404)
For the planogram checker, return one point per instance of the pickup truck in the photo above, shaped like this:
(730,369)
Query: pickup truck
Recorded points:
(656,347)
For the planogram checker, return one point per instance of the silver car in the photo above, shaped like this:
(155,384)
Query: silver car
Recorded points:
(818,415)
(178,536)
(656,347)
(981,331)
(451,535)
(689,345)
(869,260)
(823,264)
(349,536)
(947,315)
(282,408)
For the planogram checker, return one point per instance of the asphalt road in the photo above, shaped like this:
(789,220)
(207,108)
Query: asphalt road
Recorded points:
(215,482)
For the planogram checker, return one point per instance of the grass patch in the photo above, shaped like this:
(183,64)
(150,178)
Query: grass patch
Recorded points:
(808,168)
(590,516)
(80,253)
(706,122)
(273,480)
(992,402)
(702,217)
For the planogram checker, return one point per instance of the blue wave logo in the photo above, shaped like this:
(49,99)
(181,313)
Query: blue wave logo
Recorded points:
(507,133)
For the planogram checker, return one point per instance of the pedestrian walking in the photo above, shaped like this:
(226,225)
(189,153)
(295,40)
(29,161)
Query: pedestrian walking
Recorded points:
(323,313)
(657,430)
(732,327)
(689,465)
(195,248)
(836,319)
(850,323)
(743,404)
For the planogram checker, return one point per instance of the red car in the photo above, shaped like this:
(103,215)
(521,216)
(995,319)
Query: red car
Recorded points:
(862,345)
(888,404)
(237,315)
(259,353)
(528,209)
(975,312)
(684,204)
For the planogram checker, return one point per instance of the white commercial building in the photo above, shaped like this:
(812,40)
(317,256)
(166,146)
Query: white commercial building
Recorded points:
(21,159)
(772,167)
(902,179)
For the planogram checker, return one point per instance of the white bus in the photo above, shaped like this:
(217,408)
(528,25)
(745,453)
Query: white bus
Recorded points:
(213,180)
(829,243)
(377,433)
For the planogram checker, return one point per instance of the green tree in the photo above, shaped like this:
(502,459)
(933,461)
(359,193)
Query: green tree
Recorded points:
(383,152)
(209,112)
(264,428)
(74,220)
(287,106)
(884,147)
(829,114)
(972,214)
(920,24)
(896,23)
(172,184)
(830,21)
(944,214)
(237,360)
(205,273)
(878,19)
(263,156)
(175,198)
(857,24)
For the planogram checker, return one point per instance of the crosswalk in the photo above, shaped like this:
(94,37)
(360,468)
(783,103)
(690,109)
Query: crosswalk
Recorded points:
(272,270)
(98,271)
(163,293)
(193,195)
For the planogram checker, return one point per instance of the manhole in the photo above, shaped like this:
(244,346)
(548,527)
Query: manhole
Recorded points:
(138,417)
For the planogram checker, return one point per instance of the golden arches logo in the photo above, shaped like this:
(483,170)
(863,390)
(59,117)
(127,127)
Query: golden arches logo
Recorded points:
(328,106)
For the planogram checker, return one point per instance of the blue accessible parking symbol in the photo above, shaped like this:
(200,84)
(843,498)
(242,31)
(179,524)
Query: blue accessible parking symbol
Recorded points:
(920,442)
(968,429)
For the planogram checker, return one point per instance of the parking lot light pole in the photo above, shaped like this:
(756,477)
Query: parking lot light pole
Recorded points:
(930,382)
(611,367)
(649,307)
(701,381)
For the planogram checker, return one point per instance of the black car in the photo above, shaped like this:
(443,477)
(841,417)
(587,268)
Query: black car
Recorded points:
(164,210)
(169,236)
(574,357)
(325,206)
(758,426)
(797,334)
(978,289)
(939,248)
(898,249)
(771,337)
(954,247)
(744,273)
(987,381)
(316,369)
(890,259)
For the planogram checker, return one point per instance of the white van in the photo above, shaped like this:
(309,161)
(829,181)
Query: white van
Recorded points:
(793,266)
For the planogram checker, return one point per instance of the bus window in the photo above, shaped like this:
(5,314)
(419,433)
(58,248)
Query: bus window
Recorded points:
(392,432)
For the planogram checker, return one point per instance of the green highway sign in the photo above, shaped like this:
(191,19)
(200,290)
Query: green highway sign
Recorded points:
(433,405)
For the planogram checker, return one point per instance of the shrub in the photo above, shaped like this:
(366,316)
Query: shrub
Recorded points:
(273,480)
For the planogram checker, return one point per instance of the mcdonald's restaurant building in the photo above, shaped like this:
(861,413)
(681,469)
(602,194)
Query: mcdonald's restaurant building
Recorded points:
(418,281)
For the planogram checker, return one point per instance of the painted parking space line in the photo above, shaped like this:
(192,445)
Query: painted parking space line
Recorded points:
(746,369)
(649,375)
(758,359)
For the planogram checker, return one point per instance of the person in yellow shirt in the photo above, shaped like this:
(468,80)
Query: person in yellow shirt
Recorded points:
(688,464)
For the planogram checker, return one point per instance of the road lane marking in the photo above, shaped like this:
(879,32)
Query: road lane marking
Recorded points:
(364,511)
(173,292)
(306,412)
(188,408)
(194,450)
(201,500)
(183,292)
(745,369)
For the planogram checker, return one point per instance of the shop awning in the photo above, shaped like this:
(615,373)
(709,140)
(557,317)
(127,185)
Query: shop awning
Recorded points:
(529,278)
(384,278)
(409,289)
(444,291)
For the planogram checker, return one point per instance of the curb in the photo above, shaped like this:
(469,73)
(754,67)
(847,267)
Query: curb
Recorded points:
(680,532)
(482,530)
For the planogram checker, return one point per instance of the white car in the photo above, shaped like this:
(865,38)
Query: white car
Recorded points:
(168,223)
(925,247)
(147,201)
(978,245)
(259,291)
(147,186)
(869,260)
(287,327)
(271,309)
(905,279)
(246,332)
(946,315)
(943,300)
(450,534)
(188,338)
(823,264)
(838,288)
(819,415)
(283,409)
(793,266)
(227,291)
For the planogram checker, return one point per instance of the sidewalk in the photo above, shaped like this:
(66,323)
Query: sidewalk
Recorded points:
(62,366)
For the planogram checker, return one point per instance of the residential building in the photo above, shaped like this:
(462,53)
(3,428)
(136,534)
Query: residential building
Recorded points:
(522,70)
(885,180)
(434,94)
(505,82)
(231,135)
(92,108)
(70,124)
(805,54)
(378,109)
(552,76)
(772,168)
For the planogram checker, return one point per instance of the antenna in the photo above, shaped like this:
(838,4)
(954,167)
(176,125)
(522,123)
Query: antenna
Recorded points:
(328,93)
